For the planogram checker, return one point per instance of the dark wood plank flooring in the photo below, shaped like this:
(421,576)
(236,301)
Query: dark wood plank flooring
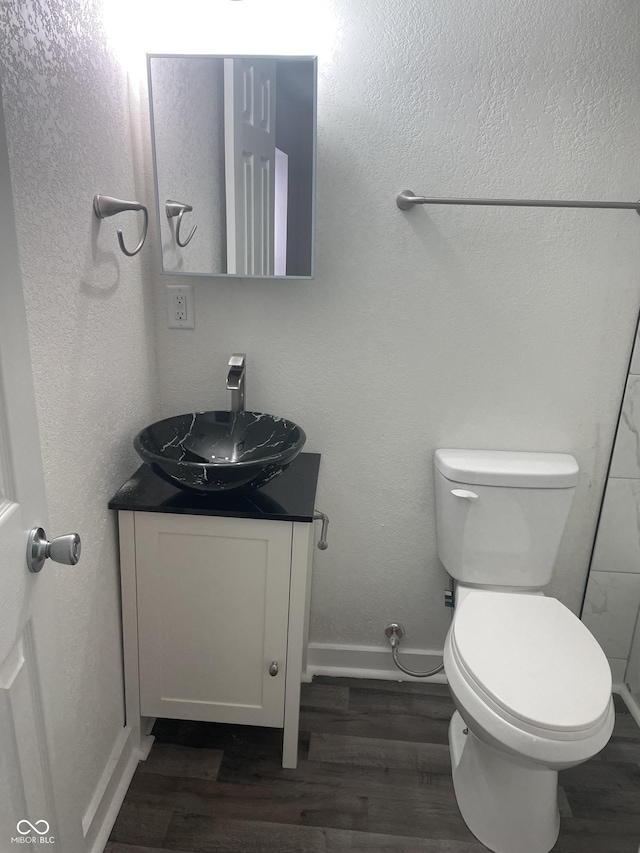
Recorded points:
(373,775)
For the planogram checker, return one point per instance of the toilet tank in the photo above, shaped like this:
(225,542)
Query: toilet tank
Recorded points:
(500,514)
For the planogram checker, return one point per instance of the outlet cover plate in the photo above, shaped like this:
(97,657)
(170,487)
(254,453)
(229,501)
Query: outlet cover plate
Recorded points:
(180,311)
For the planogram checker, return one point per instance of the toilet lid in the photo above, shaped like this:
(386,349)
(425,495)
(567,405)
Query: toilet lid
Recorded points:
(533,658)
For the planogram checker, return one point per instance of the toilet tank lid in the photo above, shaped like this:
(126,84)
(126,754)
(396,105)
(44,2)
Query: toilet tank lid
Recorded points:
(508,468)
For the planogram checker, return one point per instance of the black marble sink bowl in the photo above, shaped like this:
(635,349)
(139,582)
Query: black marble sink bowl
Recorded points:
(220,451)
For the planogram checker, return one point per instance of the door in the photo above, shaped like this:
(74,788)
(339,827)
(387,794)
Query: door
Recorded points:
(213,609)
(29,681)
(249,154)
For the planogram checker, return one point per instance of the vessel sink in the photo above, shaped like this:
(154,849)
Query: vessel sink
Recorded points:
(220,451)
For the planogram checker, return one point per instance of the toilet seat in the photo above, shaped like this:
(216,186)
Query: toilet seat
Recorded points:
(533,663)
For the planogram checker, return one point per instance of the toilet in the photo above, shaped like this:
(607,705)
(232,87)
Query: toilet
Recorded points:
(531,685)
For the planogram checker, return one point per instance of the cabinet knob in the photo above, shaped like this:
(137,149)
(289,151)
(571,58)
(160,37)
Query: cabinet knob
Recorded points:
(273,669)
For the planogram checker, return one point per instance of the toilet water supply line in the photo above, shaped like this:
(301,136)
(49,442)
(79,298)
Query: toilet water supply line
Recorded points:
(395,632)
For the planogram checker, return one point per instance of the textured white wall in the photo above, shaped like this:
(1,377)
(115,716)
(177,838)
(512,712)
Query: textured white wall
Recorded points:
(488,328)
(65,99)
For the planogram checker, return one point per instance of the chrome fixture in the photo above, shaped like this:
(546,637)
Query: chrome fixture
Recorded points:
(273,669)
(62,549)
(322,542)
(106,205)
(177,208)
(407,199)
(395,632)
(236,380)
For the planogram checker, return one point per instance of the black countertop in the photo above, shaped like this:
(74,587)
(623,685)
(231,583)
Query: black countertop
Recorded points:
(289,497)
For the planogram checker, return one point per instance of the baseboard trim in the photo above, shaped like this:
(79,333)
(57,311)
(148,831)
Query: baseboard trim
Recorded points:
(111,789)
(369,662)
(629,701)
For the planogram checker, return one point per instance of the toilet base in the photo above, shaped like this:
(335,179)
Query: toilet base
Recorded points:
(511,807)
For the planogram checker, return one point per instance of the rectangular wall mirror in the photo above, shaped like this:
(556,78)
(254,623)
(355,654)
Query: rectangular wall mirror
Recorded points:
(234,154)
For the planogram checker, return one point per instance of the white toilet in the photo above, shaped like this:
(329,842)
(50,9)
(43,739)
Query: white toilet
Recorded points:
(531,684)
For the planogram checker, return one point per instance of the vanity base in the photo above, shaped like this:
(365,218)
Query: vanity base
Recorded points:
(215,620)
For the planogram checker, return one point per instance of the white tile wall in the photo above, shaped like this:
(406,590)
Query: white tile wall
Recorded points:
(611,609)
(618,543)
(635,361)
(632,675)
(626,453)
(618,669)
(612,601)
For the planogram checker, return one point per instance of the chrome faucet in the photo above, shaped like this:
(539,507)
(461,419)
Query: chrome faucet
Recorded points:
(236,379)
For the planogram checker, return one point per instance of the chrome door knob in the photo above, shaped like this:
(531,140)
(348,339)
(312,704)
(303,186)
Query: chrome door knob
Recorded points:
(273,669)
(63,549)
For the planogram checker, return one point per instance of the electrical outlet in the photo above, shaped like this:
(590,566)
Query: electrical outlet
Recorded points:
(180,306)
(180,313)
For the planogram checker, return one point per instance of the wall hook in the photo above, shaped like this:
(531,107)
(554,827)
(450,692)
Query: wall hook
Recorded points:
(177,208)
(106,205)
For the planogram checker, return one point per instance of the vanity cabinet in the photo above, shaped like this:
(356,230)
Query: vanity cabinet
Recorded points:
(215,612)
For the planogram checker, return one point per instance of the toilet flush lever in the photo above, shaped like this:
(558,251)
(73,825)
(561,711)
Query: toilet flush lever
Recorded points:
(463,493)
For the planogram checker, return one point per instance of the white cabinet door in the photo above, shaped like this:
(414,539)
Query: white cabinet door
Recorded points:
(213,604)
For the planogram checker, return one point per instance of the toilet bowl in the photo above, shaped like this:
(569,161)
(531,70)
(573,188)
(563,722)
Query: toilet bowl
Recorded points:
(531,685)
(533,693)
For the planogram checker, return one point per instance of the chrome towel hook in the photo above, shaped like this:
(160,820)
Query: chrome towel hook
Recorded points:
(177,208)
(106,205)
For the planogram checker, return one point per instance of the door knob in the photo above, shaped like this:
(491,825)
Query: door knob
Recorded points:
(63,549)
(273,669)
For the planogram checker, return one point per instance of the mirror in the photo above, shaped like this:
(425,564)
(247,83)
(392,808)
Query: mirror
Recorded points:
(234,152)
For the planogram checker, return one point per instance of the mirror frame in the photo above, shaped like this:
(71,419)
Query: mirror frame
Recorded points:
(314,156)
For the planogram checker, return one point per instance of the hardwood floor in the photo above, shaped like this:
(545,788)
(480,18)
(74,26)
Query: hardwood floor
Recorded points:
(373,775)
